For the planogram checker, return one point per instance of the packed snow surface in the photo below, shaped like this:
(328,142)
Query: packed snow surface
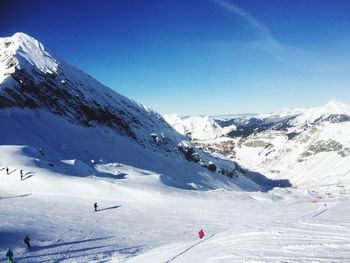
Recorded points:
(140,219)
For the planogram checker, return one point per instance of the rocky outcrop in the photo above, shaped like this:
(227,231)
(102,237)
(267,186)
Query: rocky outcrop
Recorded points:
(327,146)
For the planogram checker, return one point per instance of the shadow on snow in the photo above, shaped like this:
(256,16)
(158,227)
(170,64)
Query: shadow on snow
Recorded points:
(69,253)
(15,196)
(108,208)
(266,183)
(27,176)
(36,248)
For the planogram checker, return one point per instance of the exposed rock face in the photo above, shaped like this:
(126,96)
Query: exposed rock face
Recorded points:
(327,146)
(226,147)
(46,92)
(256,143)
(332,118)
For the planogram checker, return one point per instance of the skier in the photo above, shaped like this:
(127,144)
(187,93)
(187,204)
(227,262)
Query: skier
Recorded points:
(7,170)
(41,151)
(21,174)
(26,241)
(95,206)
(9,256)
(201,234)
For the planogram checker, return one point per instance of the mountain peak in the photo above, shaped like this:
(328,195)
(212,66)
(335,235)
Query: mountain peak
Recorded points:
(24,52)
(23,37)
(35,79)
(338,107)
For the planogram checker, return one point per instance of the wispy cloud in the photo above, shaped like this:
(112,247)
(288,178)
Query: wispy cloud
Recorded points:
(266,42)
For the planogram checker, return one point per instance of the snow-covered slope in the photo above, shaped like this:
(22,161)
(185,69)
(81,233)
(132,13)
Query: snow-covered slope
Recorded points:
(141,220)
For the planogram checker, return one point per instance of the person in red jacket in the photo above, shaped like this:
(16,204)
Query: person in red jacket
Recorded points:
(201,234)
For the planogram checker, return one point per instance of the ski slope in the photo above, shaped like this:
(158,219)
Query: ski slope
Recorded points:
(141,219)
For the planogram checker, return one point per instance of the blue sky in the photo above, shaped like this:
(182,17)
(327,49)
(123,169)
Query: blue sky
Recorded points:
(200,56)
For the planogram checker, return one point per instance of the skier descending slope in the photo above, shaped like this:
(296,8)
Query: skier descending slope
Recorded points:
(95,206)
(201,234)
(26,241)
(9,256)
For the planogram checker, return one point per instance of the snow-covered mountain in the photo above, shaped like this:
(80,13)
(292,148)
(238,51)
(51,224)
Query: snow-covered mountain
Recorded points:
(334,111)
(33,78)
(309,147)
(198,127)
(50,105)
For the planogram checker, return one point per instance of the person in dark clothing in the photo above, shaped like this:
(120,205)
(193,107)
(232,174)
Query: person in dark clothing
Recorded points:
(41,151)
(95,206)
(21,172)
(26,241)
(9,256)
(7,170)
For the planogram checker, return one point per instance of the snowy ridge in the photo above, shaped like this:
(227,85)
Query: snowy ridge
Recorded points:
(23,52)
(196,127)
(36,79)
(26,49)
(331,108)
(47,82)
(307,116)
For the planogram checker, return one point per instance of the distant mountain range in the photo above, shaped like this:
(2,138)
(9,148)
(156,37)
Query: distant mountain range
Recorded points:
(309,147)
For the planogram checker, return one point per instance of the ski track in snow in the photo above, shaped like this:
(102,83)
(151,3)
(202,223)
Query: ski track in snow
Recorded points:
(183,252)
(321,212)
